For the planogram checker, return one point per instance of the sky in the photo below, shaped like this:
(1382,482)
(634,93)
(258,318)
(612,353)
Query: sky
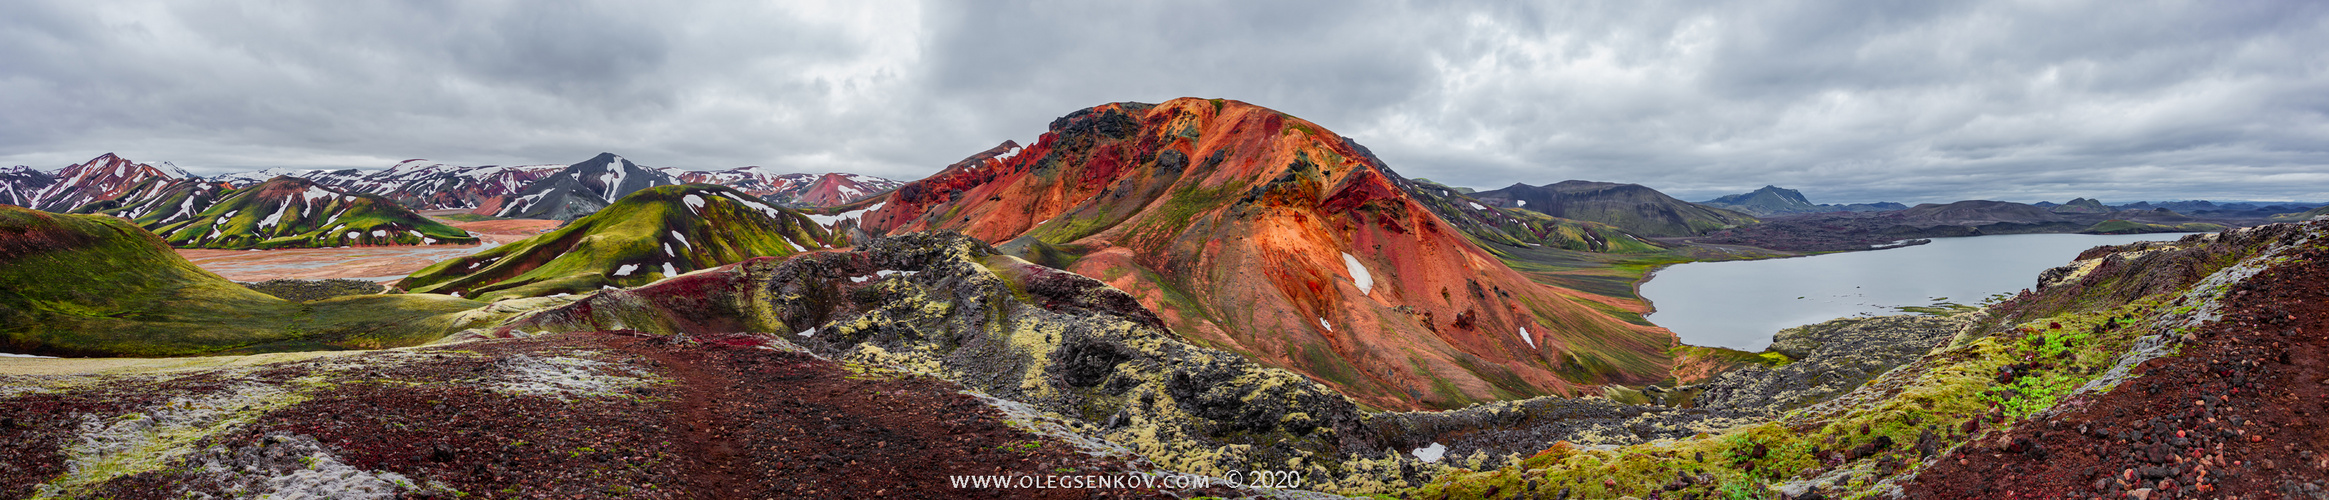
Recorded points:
(1848,101)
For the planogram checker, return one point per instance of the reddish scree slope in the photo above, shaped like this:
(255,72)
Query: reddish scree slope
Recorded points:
(1233,222)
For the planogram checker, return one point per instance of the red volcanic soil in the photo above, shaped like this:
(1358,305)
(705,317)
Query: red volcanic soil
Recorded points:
(358,262)
(1233,223)
(736,421)
(499,231)
(323,263)
(2243,412)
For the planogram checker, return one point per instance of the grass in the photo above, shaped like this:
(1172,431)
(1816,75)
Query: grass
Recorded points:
(120,292)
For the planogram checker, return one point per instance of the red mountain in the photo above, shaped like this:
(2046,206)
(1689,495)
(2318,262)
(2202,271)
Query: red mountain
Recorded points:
(1259,232)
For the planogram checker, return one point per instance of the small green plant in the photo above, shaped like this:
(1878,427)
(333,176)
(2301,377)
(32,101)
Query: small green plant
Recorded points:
(1022,447)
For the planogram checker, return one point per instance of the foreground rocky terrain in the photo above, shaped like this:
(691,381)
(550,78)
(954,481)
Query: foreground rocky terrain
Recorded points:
(2183,369)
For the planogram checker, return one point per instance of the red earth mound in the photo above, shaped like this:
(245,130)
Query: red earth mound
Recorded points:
(1252,230)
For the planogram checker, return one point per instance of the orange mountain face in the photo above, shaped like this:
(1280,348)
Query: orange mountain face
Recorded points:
(1259,232)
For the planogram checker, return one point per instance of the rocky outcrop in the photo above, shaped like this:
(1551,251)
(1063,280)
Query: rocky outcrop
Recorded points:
(1829,358)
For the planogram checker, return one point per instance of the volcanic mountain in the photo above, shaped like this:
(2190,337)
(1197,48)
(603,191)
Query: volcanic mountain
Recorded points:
(579,189)
(1255,231)
(794,189)
(1518,226)
(1632,207)
(96,285)
(652,234)
(2081,206)
(1775,200)
(290,212)
(102,178)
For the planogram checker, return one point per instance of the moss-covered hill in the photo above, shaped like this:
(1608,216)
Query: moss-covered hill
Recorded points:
(99,286)
(2123,226)
(285,212)
(652,234)
(1632,207)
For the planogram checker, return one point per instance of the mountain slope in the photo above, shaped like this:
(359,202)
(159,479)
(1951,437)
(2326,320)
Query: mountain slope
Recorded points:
(652,234)
(289,212)
(102,178)
(794,189)
(20,185)
(1517,226)
(579,189)
(1632,207)
(434,186)
(1262,233)
(95,285)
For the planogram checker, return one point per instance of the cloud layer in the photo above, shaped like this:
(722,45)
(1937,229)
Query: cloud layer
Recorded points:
(1850,101)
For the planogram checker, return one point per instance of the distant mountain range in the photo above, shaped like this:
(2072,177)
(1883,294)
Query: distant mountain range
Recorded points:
(1632,207)
(1775,200)
(114,184)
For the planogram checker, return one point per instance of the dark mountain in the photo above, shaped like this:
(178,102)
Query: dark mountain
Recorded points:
(1631,207)
(2081,206)
(580,189)
(1775,200)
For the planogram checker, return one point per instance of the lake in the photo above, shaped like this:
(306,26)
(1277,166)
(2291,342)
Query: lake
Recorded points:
(1740,304)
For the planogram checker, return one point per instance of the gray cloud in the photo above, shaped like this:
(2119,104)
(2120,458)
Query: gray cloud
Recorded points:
(1849,101)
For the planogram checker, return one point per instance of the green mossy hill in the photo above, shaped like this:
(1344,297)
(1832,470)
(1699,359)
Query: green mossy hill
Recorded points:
(2083,332)
(83,285)
(285,212)
(652,234)
(2302,216)
(2121,226)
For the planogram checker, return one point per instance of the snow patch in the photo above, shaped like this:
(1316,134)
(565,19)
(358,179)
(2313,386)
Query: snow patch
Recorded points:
(626,269)
(694,203)
(1358,273)
(669,271)
(682,240)
(1431,454)
(1322,324)
(1525,338)
(1523,203)
(812,332)
(1475,205)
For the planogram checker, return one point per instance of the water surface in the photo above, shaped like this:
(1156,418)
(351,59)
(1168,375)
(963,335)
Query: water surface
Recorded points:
(1739,304)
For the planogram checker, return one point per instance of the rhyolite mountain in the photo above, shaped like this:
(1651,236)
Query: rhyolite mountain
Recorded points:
(801,190)
(286,212)
(1632,207)
(20,185)
(654,233)
(1775,200)
(102,178)
(426,185)
(1261,233)
(88,285)
(579,189)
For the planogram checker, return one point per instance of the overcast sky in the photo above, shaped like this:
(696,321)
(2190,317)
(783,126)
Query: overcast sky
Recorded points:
(1848,101)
